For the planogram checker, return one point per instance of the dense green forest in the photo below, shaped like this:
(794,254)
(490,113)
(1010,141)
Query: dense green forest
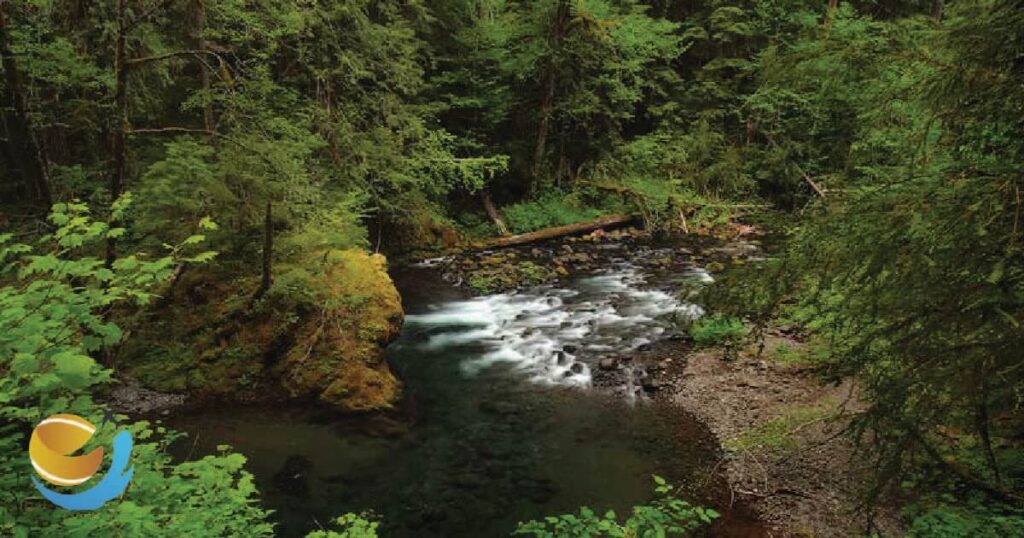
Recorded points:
(188,187)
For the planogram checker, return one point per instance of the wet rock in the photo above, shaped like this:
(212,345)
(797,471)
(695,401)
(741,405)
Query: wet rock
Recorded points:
(541,491)
(560,358)
(650,384)
(569,348)
(644,347)
(498,408)
(607,364)
(469,481)
(787,329)
(131,397)
(576,368)
(293,477)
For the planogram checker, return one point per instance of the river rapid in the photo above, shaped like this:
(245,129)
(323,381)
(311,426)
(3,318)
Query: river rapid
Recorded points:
(512,410)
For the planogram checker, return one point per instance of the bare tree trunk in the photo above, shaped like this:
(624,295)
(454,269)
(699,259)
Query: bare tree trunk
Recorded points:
(22,141)
(117,174)
(546,104)
(981,426)
(268,250)
(16,187)
(938,10)
(204,73)
(493,213)
(829,15)
(547,98)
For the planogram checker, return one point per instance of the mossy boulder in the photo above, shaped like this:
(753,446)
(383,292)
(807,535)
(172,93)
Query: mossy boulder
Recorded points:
(336,355)
(318,333)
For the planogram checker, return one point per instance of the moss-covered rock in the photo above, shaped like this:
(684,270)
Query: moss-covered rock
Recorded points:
(318,333)
(336,355)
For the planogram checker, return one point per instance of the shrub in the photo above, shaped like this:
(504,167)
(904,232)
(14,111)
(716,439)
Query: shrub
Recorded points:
(665,516)
(717,330)
(555,208)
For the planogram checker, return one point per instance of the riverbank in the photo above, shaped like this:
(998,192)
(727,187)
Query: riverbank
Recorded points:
(785,453)
(755,437)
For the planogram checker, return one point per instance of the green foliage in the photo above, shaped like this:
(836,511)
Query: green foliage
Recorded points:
(717,330)
(911,275)
(350,526)
(55,301)
(665,516)
(975,519)
(553,209)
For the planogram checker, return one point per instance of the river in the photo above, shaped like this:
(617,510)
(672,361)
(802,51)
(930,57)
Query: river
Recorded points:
(500,422)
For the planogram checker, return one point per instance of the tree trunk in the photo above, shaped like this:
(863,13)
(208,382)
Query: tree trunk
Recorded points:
(981,418)
(117,174)
(829,15)
(22,142)
(204,73)
(546,105)
(559,231)
(268,250)
(493,213)
(547,101)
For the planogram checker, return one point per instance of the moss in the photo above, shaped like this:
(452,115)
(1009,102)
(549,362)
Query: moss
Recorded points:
(337,354)
(499,273)
(779,431)
(318,333)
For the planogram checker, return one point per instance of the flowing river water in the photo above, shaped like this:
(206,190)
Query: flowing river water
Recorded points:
(500,422)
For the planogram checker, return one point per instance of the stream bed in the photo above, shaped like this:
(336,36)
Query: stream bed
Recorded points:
(501,421)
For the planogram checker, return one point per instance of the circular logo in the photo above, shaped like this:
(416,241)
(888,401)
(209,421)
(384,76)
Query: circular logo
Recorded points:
(51,443)
(51,449)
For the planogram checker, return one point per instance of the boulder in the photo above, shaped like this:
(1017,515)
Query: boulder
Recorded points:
(318,333)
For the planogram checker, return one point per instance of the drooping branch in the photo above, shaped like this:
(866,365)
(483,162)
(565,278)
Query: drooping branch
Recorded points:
(184,130)
(807,177)
(172,54)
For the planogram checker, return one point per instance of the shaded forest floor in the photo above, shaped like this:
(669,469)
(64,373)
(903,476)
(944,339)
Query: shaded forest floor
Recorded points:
(784,450)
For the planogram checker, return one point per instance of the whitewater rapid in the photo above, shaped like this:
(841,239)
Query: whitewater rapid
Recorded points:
(556,334)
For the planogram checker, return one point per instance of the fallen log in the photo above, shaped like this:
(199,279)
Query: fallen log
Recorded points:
(559,231)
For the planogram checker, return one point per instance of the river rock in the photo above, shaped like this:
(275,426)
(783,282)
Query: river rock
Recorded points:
(498,408)
(292,478)
(576,368)
(607,364)
(469,481)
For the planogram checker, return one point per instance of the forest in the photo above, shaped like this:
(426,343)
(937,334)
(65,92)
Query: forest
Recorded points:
(215,205)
